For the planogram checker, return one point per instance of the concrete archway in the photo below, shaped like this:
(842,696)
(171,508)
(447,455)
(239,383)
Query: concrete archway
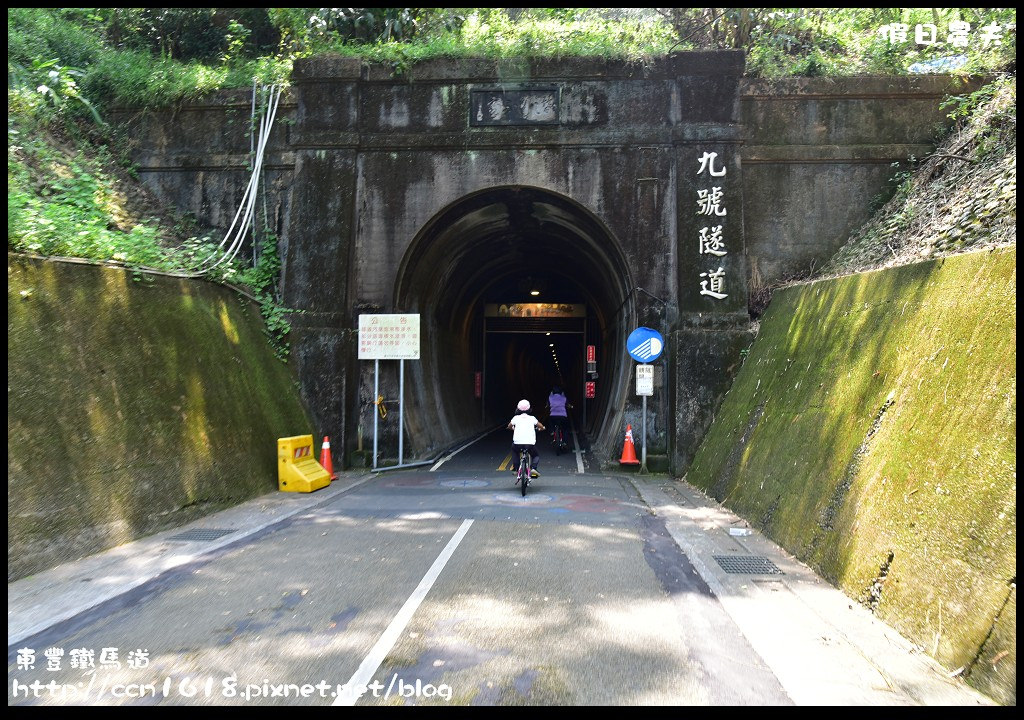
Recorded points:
(490,249)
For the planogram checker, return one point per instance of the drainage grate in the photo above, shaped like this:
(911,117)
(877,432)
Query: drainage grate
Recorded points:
(747,565)
(201,535)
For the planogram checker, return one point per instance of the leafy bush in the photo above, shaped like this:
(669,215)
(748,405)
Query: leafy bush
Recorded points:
(204,34)
(43,34)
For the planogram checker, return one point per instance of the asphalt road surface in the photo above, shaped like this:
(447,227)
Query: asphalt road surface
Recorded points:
(431,586)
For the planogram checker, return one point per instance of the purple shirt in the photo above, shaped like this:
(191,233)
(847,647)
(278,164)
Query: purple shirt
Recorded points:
(557,403)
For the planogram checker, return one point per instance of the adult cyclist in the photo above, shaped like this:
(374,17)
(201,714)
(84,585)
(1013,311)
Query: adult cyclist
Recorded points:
(524,435)
(559,404)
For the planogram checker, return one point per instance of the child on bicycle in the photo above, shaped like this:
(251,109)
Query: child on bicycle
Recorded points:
(524,435)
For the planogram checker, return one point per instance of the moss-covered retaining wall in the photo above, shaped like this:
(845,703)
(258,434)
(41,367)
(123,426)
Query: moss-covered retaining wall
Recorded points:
(872,432)
(134,403)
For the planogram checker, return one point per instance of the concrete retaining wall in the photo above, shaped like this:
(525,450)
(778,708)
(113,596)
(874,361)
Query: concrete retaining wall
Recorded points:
(872,432)
(135,403)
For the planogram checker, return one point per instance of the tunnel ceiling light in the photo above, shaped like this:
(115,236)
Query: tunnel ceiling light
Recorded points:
(533,285)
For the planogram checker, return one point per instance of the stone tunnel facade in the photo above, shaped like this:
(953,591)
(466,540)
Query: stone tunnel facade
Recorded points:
(625,195)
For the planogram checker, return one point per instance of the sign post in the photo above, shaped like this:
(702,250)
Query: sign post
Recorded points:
(389,337)
(644,345)
(644,388)
(376,406)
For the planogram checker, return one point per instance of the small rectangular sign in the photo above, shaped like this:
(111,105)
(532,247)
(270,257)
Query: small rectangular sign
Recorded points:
(591,354)
(478,384)
(591,390)
(535,310)
(645,380)
(389,337)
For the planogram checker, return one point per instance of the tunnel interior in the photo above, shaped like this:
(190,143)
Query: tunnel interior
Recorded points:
(512,284)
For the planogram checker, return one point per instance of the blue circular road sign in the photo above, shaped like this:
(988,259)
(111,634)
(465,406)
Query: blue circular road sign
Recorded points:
(645,345)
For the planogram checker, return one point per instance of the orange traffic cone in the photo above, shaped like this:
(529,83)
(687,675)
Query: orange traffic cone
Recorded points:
(325,457)
(628,451)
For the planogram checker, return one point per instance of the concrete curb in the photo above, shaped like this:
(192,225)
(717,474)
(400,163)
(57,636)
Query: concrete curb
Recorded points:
(41,601)
(823,647)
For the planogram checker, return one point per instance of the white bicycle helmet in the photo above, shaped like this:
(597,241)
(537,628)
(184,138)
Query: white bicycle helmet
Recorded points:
(524,406)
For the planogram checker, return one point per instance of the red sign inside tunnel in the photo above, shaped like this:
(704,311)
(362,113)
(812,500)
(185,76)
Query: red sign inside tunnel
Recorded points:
(478,384)
(591,354)
(590,390)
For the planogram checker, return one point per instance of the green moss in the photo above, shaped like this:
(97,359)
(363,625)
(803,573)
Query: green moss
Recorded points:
(876,414)
(995,671)
(133,406)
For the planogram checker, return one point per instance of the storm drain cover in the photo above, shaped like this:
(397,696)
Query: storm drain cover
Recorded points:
(747,565)
(201,535)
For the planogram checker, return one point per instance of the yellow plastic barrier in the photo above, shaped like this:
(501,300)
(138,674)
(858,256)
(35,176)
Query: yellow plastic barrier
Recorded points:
(297,470)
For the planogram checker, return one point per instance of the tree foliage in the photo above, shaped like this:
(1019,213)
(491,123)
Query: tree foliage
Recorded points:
(842,41)
(157,55)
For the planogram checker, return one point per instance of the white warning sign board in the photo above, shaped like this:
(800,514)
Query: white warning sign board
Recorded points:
(645,380)
(389,337)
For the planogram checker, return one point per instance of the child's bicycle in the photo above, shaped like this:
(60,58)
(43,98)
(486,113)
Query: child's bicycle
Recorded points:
(523,474)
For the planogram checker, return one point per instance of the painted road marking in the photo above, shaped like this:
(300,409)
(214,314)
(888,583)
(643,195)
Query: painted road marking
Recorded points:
(505,462)
(448,457)
(372,662)
(578,452)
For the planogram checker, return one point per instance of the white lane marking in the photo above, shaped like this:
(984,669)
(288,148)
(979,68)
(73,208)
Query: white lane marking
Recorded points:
(370,664)
(448,457)
(579,453)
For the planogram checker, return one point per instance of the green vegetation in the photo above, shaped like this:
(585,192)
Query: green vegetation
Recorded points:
(847,41)
(69,192)
(155,56)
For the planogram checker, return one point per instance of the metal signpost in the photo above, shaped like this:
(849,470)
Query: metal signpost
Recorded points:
(644,345)
(389,337)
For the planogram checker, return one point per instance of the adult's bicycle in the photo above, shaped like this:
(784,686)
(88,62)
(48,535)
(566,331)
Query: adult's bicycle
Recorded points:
(558,438)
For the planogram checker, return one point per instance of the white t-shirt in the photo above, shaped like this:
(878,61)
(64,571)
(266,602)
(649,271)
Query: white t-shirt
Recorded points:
(524,432)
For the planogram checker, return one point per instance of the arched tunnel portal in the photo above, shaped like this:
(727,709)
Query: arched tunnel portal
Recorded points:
(512,283)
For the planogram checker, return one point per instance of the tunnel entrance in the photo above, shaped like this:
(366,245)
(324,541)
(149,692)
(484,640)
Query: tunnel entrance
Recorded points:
(529,348)
(512,284)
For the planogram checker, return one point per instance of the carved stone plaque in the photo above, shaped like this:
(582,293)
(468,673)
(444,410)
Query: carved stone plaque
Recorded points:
(530,106)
